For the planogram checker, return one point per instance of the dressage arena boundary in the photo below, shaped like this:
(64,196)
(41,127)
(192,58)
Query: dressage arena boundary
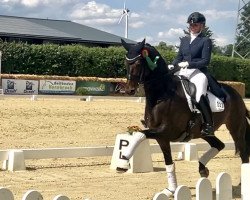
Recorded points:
(223,188)
(203,188)
(14,159)
(84,98)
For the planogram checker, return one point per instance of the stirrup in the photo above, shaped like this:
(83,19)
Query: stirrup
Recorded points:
(207,130)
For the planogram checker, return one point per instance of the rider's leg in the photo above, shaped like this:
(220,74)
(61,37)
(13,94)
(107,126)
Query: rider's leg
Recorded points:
(200,81)
(204,107)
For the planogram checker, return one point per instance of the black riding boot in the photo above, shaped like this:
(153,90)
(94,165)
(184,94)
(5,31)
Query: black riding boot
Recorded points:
(208,125)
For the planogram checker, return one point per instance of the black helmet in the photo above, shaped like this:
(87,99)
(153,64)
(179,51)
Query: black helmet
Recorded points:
(196,17)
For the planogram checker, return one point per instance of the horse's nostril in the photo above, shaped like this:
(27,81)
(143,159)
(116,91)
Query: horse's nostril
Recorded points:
(132,92)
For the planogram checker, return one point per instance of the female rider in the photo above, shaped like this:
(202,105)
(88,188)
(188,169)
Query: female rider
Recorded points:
(193,58)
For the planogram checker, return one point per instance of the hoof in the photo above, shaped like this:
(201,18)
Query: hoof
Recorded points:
(204,172)
(144,123)
(122,165)
(121,170)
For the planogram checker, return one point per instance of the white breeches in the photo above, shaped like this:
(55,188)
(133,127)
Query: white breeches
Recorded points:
(198,78)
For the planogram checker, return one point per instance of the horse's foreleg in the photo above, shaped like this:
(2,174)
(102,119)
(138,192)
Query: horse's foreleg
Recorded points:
(170,167)
(216,146)
(137,138)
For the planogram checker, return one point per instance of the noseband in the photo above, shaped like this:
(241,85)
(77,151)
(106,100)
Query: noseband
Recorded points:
(140,76)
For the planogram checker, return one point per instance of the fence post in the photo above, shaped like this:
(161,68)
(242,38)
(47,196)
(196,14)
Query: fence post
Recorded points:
(245,181)
(182,192)
(204,189)
(16,160)
(191,153)
(31,195)
(224,187)
(6,194)
(160,196)
(60,197)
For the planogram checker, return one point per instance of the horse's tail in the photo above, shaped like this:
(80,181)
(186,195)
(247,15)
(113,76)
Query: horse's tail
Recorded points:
(247,114)
(247,135)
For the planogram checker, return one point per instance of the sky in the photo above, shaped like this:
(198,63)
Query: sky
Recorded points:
(155,20)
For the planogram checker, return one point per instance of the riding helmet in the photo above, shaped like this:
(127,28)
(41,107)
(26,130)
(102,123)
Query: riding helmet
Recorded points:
(196,17)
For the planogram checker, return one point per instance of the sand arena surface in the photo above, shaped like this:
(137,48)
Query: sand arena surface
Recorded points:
(73,123)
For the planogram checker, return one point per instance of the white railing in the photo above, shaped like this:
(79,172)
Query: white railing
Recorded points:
(14,159)
(6,194)
(204,188)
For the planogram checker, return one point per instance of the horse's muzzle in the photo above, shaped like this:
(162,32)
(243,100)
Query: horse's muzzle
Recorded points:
(131,87)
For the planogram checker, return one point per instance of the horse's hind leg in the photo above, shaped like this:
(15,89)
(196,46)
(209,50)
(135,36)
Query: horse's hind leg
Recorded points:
(216,146)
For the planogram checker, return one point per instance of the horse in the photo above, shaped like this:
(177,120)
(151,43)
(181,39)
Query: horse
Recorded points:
(168,115)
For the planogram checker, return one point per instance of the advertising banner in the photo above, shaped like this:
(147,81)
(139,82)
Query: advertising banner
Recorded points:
(16,86)
(57,87)
(92,88)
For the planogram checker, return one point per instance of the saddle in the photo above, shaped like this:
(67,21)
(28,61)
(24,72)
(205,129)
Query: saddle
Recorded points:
(216,104)
(189,89)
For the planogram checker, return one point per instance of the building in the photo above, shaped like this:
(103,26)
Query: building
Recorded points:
(39,31)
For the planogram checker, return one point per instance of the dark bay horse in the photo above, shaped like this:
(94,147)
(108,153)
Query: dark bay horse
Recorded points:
(167,114)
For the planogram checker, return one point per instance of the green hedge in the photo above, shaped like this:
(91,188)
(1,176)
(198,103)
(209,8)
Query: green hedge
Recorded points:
(70,60)
(78,60)
(231,69)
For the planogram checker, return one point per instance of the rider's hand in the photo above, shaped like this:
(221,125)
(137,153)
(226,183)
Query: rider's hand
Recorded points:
(170,67)
(183,64)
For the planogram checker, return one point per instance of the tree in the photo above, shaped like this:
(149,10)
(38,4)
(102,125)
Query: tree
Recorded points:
(224,50)
(242,45)
(163,45)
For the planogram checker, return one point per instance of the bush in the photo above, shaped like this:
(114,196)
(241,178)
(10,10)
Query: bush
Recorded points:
(231,69)
(78,60)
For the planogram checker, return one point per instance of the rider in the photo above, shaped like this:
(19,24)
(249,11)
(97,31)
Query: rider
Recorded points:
(193,58)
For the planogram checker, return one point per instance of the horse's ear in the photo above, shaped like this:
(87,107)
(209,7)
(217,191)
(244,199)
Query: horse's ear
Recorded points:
(142,44)
(125,45)
(143,41)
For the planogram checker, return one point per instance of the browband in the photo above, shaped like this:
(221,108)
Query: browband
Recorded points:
(131,60)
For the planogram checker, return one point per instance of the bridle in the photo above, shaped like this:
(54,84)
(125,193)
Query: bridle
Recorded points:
(141,75)
(142,57)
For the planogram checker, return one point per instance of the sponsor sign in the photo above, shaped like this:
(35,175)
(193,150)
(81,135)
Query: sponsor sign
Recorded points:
(57,87)
(16,86)
(93,88)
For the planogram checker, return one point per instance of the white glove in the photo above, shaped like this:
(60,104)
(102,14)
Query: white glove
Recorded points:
(183,64)
(170,67)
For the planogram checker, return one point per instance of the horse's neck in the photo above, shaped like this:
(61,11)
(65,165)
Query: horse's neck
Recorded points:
(163,89)
(158,89)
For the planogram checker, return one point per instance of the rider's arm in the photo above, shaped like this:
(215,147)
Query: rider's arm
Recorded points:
(179,57)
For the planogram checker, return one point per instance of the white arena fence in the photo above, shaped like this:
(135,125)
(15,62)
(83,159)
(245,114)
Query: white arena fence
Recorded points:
(83,98)
(203,191)
(14,159)
(6,194)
